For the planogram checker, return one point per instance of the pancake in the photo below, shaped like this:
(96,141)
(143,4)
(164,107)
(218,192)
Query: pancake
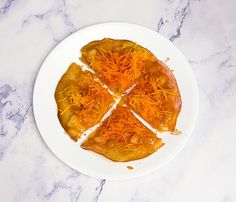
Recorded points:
(81,101)
(156,97)
(117,63)
(122,137)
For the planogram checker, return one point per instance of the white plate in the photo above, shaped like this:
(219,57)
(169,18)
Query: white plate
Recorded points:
(88,162)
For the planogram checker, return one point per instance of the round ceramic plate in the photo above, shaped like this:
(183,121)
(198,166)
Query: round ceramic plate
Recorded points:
(90,163)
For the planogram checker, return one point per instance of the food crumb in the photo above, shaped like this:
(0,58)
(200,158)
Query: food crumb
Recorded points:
(176,132)
(172,70)
(130,167)
(167,59)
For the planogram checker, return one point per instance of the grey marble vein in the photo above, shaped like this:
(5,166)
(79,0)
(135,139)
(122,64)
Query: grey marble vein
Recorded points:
(99,190)
(160,24)
(41,16)
(3,132)
(70,184)
(5,8)
(225,51)
(11,116)
(182,11)
(56,187)
(60,10)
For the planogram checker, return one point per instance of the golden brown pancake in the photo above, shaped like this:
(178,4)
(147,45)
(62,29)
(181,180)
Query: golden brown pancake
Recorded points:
(122,137)
(156,97)
(81,101)
(117,63)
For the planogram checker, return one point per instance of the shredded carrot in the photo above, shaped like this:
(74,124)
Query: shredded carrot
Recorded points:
(153,100)
(85,98)
(125,130)
(119,65)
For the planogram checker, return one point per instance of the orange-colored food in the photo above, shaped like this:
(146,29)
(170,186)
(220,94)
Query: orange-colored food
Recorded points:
(81,101)
(122,137)
(156,97)
(130,167)
(118,63)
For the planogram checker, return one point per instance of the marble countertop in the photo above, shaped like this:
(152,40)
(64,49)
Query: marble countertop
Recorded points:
(204,30)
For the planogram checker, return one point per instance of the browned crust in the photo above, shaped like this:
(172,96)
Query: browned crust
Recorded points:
(70,120)
(109,147)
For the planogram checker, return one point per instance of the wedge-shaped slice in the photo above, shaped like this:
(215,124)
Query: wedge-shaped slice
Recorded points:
(156,97)
(81,101)
(122,137)
(117,63)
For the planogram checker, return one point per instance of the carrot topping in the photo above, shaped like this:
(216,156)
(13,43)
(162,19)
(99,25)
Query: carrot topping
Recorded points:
(118,67)
(81,100)
(122,137)
(156,97)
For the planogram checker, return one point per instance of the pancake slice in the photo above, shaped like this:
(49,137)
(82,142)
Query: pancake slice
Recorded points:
(156,97)
(117,63)
(122,137)
(81,101)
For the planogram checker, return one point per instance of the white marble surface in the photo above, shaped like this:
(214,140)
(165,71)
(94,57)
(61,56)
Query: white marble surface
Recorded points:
(204,30)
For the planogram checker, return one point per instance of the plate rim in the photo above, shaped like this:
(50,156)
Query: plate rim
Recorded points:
(194,82)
